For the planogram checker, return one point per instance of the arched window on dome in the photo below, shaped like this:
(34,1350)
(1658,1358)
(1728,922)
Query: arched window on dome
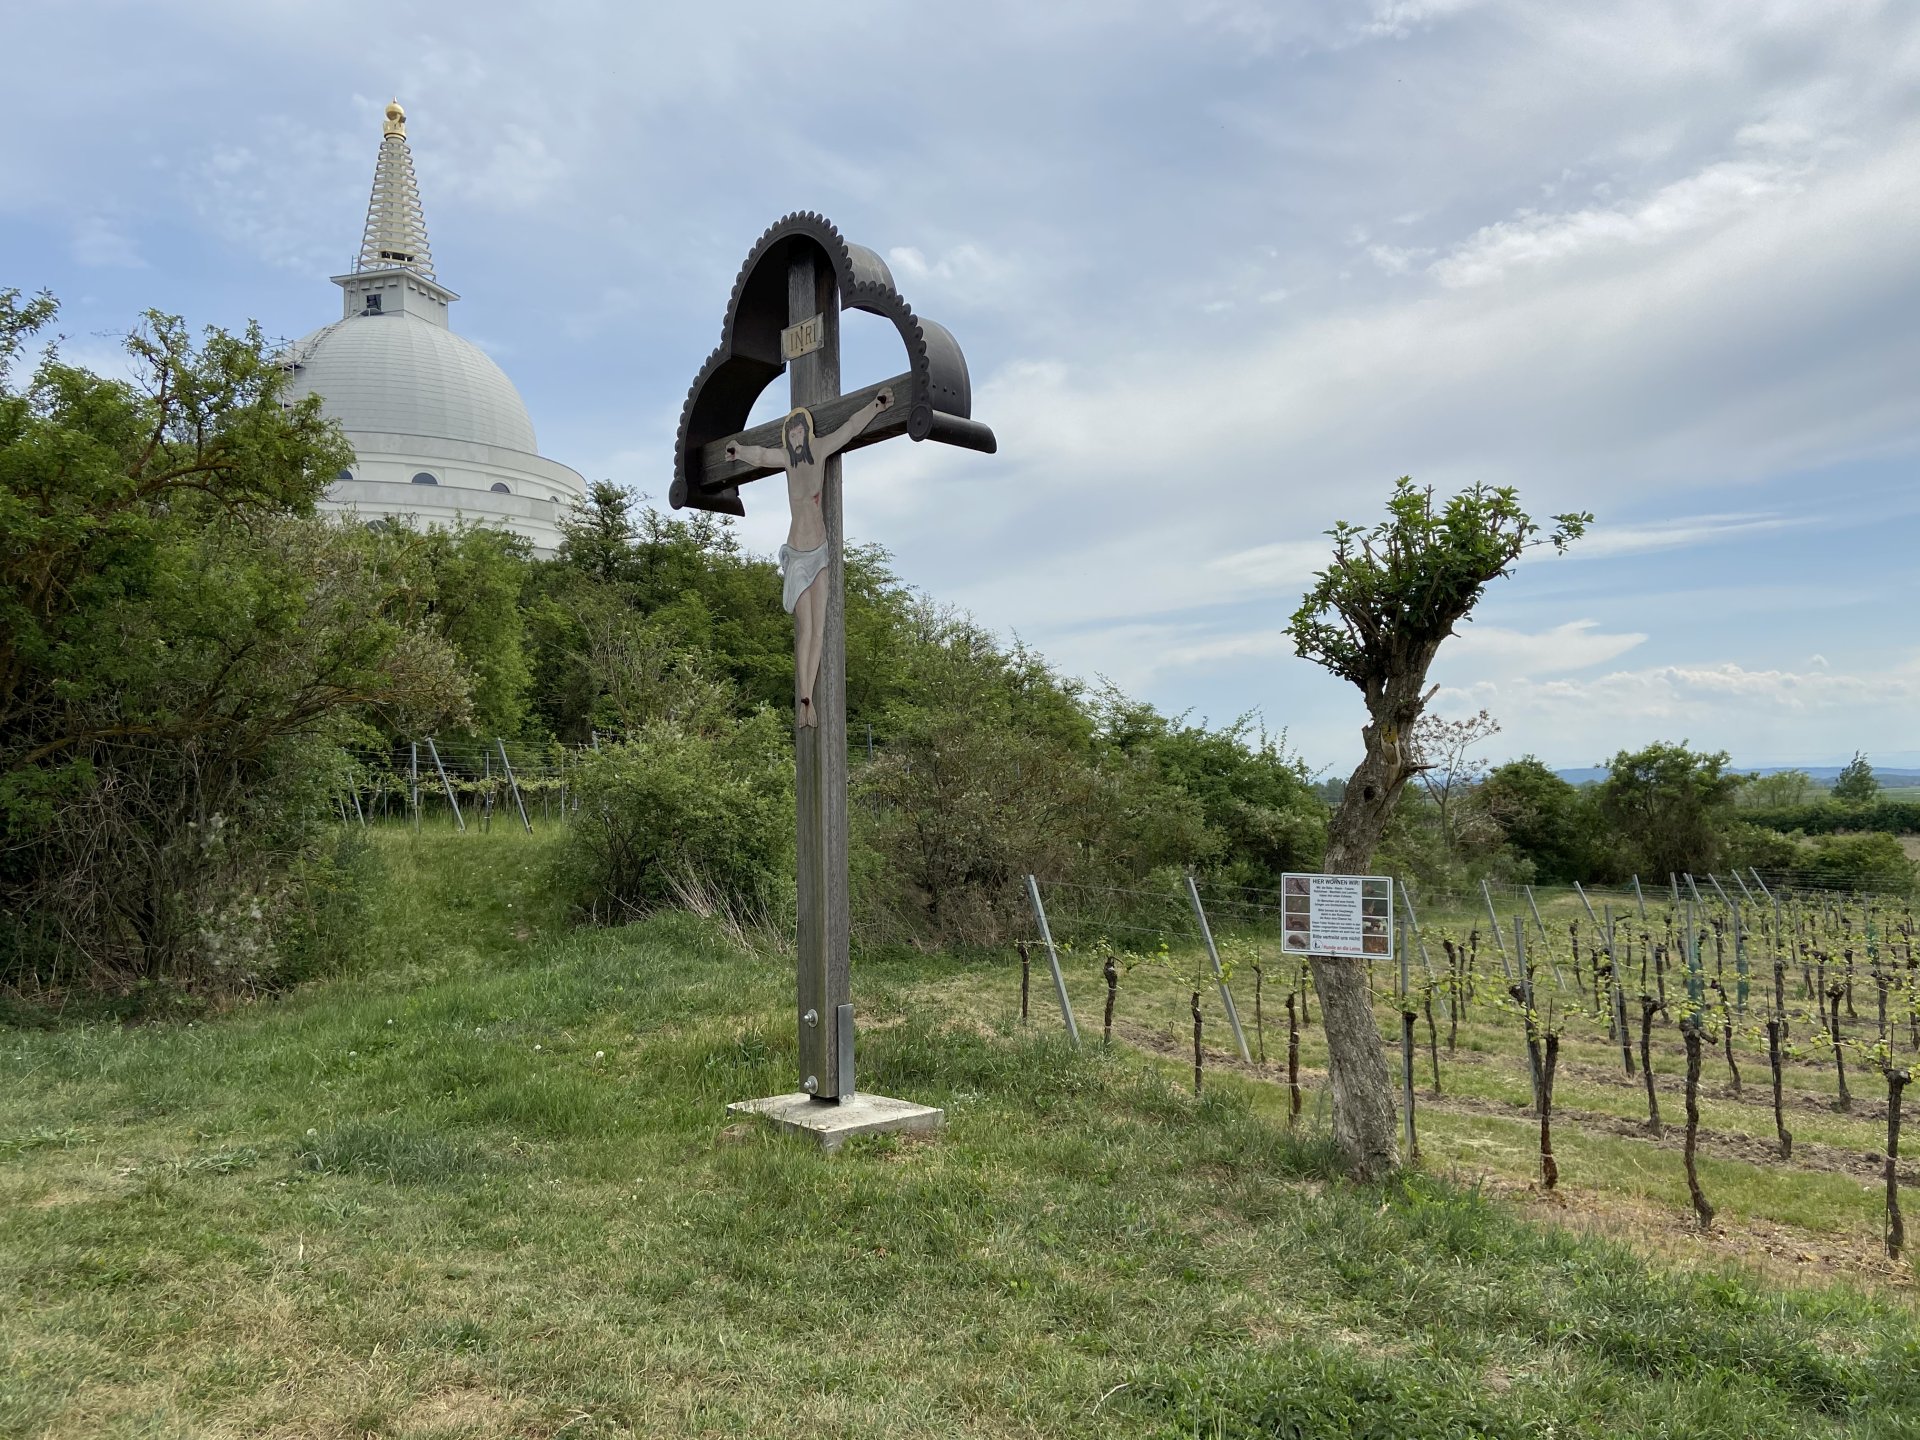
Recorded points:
(500,487)
(423,478)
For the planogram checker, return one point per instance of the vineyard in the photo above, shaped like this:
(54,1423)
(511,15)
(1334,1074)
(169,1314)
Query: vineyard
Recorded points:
(1740,1055)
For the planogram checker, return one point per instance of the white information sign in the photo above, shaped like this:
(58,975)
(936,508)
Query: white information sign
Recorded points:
(1337,915)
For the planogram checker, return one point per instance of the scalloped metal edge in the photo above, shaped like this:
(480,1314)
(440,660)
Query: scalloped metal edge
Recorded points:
(874,296)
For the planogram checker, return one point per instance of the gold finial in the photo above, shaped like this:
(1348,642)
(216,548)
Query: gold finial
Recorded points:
(396,120)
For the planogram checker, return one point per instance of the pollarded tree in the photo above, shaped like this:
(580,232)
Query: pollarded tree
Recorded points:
(1376,617)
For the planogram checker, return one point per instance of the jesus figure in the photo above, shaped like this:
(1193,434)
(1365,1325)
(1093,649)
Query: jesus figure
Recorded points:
(804,556)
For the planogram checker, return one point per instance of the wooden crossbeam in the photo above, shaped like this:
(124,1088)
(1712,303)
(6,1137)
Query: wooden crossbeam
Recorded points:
(717,472)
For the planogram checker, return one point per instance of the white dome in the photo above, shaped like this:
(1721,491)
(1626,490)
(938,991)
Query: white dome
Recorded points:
(400,374)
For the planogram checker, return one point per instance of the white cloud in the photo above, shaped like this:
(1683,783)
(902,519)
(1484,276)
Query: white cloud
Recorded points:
(1394,259)
(1282,565)
(1492,650)
(1612,541)
(1752,712)
(1396,19)
(98,241)
(1716,194)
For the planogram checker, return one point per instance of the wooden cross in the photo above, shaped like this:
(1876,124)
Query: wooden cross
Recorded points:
(785,315)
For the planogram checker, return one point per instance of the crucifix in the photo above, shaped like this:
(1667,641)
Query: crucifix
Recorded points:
(785,315)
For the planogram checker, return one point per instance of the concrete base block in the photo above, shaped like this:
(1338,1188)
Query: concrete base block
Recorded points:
(832,1124)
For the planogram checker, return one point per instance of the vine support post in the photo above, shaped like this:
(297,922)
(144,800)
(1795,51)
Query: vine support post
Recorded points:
(447,785)
(1744,980)
(506,767)
(1493,921)
(1219,975)
(1053,960)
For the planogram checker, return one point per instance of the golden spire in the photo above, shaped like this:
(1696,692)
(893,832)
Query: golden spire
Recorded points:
(396,233)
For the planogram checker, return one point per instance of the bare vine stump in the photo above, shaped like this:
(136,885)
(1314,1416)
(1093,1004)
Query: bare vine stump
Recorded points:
(1293,1058)
(1626,1032)
(1112,972)
(1834,995)
(1407,1018)
(1896,1227)
(1690,1032)
(1198,1060)
(1549,1171)
(1458,997)
(1726,1036)
(1649,1007)
(1259,1023)
(1363,1118)
(1433,1043)
(1779,1115)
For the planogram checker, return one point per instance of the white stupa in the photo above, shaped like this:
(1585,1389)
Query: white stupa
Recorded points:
(439,433)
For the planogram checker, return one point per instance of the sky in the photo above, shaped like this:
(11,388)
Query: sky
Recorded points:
(1222,271)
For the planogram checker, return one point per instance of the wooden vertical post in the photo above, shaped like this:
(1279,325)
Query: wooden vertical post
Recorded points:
(820,751)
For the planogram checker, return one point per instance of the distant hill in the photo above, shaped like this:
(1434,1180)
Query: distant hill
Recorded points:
(1822,775)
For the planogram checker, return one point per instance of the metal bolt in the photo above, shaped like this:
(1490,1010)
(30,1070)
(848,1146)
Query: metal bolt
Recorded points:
(812,1017)
(811,1085)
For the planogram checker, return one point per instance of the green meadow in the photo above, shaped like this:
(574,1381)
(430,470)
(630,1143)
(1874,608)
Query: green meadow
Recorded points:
(486,1186)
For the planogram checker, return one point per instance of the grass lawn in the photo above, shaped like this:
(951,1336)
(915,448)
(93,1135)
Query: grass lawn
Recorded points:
(487,1188)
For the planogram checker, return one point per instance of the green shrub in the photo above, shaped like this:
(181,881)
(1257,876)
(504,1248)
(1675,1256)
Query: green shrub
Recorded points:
(675,814)
(187,648)
(1825,817)
(1866,862)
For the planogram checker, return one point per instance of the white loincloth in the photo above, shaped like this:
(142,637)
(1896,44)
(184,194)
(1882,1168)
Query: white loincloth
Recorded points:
(799,569)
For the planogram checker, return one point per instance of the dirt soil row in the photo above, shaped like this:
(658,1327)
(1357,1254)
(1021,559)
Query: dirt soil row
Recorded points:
(1785,1250)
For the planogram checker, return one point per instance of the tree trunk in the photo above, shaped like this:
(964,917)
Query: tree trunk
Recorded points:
(1363,1110)
(1357,1075)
